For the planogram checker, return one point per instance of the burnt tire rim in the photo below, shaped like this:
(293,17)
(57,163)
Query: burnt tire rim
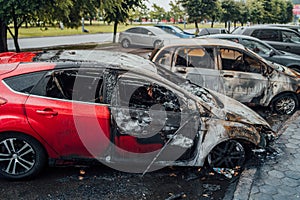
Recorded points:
(285,105)
(17,157)
(230,154)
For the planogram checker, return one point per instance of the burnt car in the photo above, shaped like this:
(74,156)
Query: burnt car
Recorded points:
(127,117)
(232,69)
(263,49)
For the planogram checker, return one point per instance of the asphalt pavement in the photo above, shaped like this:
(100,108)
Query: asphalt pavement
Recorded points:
(278,177)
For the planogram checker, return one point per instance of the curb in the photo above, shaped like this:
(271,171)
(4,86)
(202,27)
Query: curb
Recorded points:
(244,185)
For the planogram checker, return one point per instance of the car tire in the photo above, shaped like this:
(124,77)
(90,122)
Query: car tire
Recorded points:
(285,104)
(125,43)
(157,44)
(230,154)
(21,156)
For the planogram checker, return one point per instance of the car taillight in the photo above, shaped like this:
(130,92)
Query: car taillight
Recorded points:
(2,101)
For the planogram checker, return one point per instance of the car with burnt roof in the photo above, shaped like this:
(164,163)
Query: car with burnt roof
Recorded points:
(263,49)
(232,69)
(128,117)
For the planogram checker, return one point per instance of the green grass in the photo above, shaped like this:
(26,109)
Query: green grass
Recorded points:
(99,27)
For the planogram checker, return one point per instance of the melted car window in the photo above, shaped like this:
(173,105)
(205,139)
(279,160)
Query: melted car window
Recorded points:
(237,61)
(86,86)
(195,57)
(136,105)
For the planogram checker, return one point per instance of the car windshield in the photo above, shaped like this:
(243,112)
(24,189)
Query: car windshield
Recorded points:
(158,31)
(177,29)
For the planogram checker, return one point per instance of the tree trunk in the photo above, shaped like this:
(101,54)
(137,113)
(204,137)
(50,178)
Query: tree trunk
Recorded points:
(115,31)
(3,37)
(91,21)
(197,28)
(16,36)
(212,22)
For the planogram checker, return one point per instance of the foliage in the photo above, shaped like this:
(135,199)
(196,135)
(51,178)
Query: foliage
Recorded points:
(158,12)
(176,11)
(117,11)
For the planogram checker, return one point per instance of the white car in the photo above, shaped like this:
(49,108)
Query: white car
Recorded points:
(145,36)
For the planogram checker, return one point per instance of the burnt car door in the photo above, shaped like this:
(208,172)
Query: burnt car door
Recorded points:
(66,109)
(150,119)
(243,76)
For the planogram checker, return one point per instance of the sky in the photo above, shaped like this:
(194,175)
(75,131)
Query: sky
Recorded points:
(161,3)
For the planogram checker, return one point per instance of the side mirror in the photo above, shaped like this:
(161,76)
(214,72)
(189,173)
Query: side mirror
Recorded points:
(150,33)
(272,53)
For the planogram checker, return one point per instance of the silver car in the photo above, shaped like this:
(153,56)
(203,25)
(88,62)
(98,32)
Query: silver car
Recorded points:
(145,36)
(232,69)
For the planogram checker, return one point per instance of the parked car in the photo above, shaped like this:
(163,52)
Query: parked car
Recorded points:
(144,36)
(263,49)
(290,26)
(280,38)
(175,30)
(232,69)
(210,31)
(62,112)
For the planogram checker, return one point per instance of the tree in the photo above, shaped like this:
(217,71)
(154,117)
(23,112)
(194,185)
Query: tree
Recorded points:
(244,13)
(199,10)
(158,12)
(229,12)
(256,10)
(3,36)
(192,9)
(176,11)
(19,11)
(138,13)
(117,11)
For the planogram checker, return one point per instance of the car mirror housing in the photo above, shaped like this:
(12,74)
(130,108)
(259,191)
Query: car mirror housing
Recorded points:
(272,53)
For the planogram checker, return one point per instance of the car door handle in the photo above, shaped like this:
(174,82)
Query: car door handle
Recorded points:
(47,111)
(228,76)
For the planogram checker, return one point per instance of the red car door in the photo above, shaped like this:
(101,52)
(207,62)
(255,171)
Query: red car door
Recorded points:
(72,128)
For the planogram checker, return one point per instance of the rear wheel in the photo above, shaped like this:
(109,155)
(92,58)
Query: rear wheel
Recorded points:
(229,154)
(20,156)
(285,104)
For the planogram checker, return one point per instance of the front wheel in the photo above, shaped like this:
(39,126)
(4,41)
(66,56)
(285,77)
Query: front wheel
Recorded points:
(125,43)
(229,154)
(285,104)
(157,44)
(20,156)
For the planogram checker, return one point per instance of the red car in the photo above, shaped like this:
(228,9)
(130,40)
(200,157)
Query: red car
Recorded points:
(63,112)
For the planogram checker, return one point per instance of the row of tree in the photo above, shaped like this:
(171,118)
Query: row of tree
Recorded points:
(70,12)
(50,12)
(243,11)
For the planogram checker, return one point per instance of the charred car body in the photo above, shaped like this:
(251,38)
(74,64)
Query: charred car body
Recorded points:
(68,111)
(234,70)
